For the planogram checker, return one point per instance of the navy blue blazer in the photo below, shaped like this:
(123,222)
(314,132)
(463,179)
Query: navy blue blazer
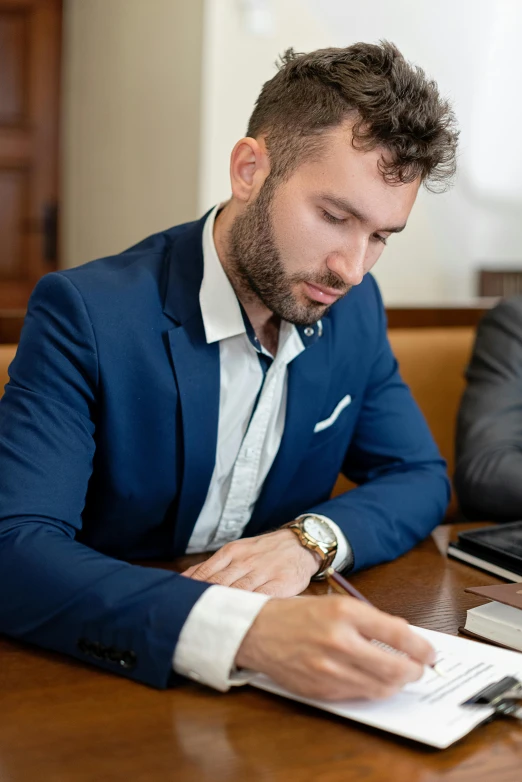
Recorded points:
(108,431)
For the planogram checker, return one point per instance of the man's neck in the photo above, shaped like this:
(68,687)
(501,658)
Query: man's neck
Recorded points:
(264,322)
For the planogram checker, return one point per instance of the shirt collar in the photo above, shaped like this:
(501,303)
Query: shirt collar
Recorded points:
(220,308)
(221,311)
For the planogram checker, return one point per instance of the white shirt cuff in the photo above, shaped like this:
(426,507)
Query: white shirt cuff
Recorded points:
(212,634)
(344,556)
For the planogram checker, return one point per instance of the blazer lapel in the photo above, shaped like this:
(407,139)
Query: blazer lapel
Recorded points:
(308,377)
(196,368)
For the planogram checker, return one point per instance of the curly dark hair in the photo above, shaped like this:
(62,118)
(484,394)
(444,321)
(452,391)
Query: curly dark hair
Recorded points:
(394,105)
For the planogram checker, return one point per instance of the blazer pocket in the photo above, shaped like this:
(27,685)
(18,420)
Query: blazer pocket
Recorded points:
(322,425)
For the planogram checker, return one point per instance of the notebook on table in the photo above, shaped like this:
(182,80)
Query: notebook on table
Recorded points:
(497,549)
(499,621)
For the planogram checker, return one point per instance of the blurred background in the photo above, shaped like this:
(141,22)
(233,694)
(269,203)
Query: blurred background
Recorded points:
(117,118)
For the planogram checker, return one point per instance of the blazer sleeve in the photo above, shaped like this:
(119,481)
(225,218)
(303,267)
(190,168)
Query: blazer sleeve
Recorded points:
(56,592)
(488,476)
(402,487)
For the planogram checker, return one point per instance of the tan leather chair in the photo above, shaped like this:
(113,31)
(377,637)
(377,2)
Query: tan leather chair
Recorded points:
(432,362)
(7,353)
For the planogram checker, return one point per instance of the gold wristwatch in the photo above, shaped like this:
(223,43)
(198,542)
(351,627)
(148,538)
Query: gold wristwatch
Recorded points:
(316,534)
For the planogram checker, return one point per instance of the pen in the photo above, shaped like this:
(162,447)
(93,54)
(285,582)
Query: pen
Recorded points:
(340,584)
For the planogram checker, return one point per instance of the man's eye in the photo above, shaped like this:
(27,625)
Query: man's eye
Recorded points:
(330,218)
(380,238)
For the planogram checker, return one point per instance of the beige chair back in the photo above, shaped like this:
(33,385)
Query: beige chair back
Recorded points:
(432,362)
(7,353)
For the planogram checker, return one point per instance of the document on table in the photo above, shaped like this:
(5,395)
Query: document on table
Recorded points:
(429,710)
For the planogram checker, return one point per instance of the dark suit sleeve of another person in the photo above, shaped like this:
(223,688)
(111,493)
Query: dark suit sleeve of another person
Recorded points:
(488,477)
(402,487)
(56,592)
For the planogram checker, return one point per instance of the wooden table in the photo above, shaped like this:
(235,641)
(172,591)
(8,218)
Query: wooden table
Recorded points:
(61,721)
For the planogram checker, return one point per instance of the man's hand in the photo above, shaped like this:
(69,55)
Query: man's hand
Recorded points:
(275,564)
(319,647)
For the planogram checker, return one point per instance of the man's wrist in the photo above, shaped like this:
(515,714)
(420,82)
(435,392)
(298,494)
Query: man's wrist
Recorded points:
(213,633)
(250,652)
(310,559)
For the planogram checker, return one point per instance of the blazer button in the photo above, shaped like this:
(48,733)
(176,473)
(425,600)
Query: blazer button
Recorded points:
(83,645)
(128,660)
(97,650)
(113,654)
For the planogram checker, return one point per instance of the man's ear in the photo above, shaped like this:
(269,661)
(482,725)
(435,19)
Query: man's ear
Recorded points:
(249,167)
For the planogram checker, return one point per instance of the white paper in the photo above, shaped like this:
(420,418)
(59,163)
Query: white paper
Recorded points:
(429,710)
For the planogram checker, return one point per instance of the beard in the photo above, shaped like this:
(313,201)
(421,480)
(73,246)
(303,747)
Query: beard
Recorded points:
(256,265)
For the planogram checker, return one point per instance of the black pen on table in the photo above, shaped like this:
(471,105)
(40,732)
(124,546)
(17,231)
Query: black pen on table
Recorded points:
(340,584)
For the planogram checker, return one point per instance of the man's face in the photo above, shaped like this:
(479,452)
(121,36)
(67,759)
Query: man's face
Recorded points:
(302,246)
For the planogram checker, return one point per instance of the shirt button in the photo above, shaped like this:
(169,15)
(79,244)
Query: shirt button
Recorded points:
(309,332)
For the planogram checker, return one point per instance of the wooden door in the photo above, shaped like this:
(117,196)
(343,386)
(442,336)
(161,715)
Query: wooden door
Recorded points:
(30,45)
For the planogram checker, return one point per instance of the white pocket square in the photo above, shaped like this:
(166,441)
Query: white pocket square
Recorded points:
(321,425)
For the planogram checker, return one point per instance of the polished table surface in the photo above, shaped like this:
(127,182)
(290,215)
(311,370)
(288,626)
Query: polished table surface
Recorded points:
(61,721)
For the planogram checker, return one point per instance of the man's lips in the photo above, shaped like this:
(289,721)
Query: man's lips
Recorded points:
(321,294)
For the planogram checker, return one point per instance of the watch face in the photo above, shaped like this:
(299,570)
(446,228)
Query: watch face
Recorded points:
(319,530)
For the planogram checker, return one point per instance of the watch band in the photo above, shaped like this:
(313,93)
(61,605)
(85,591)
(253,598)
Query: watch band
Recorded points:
(321,573)
(344,558)
(325,551)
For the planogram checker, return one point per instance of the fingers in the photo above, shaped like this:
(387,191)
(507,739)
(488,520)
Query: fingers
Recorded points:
(238,576)
(349,639)
(393,631)
(250,581)
(204,571)
(389,668)
(221,568)
(255,563)
(241,566)
(311,647)
(400,636)
(338,680)
(228,567)
(322,647)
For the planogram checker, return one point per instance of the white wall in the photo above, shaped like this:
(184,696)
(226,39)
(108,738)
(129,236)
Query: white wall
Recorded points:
(131,121)
(156,93)
(236,63)
(469,47)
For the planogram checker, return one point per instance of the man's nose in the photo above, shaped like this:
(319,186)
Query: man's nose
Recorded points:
(349,262)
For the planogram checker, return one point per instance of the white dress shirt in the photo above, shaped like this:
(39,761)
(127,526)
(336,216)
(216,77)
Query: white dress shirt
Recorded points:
(252,409)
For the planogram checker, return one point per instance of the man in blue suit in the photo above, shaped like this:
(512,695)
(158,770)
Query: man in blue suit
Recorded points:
(202,391)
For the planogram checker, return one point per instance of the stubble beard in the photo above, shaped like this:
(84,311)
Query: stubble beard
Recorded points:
(256,266)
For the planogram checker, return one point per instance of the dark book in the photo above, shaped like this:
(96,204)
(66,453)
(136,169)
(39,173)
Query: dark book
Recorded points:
(497,549)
